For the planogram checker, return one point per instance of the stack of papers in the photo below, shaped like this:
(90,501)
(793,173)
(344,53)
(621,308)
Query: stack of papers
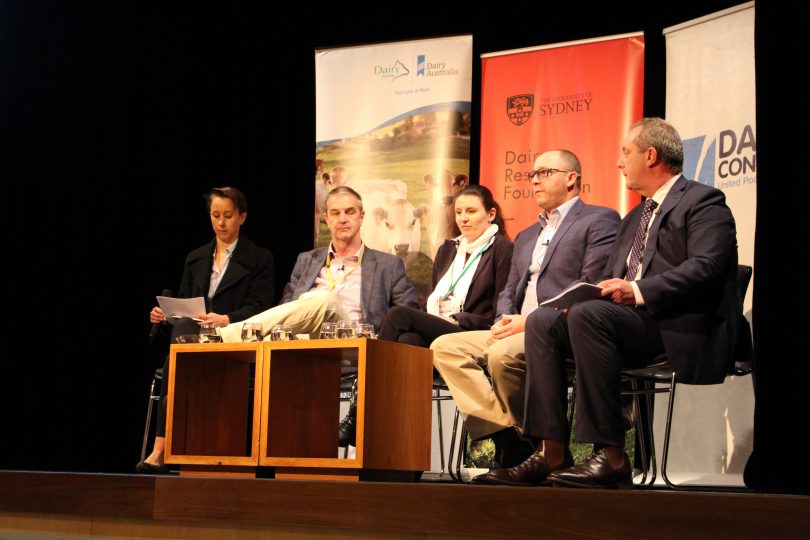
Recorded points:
(578,292)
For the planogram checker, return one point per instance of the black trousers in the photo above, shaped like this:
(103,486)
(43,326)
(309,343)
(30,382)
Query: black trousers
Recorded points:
(603,338)
(407,325)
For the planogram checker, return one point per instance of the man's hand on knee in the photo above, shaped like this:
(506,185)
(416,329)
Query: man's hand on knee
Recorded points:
(508,326)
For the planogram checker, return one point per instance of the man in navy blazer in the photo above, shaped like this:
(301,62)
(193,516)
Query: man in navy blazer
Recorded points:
(325,283)
(570,242)
(669,286)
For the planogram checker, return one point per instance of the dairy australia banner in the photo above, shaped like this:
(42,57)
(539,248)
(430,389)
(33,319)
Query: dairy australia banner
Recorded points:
(393,122)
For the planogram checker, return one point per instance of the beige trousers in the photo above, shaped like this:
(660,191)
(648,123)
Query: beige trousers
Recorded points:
(303,315)
(487,407)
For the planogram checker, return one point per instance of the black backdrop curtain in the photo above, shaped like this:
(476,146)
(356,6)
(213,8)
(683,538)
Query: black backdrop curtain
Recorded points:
(117,117)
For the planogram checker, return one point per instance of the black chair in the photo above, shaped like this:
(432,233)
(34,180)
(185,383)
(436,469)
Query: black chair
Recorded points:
(442,393)
(154,397)
(659,377)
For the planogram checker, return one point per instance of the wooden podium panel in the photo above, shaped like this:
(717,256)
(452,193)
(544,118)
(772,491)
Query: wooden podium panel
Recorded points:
(216,423)
(300,408)
(212,415)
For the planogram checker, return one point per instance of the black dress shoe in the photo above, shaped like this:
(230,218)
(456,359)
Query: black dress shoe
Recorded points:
(147,468)
(347,430)
(531,472)
(595,472)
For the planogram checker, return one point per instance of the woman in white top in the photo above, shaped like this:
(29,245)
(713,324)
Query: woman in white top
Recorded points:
(469,273)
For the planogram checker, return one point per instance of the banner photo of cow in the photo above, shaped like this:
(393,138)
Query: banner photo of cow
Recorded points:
(393,123)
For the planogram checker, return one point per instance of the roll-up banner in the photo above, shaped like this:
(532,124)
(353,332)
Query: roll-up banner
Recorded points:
(393,123)
(711,101)
(581,96)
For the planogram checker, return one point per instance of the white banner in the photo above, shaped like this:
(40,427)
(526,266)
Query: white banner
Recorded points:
(711,102)
(393,122)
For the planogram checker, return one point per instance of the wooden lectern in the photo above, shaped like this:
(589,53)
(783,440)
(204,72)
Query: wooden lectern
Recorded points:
(233,407)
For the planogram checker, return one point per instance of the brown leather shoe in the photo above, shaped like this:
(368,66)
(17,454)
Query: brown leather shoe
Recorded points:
(595,472)
(531,472)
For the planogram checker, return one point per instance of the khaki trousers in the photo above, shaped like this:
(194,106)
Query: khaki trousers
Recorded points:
(303,315)
(487,407)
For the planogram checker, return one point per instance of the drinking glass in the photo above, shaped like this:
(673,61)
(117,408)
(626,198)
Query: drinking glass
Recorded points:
(366,331)
(281,332)
(252,331)
(346,329)
(208,333)
(328,330)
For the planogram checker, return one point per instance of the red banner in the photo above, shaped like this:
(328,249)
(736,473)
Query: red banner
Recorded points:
(581,96)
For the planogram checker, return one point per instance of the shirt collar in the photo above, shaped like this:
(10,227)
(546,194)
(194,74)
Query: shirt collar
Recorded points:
(229,250)
(561,211)
(333,254)
(662,192)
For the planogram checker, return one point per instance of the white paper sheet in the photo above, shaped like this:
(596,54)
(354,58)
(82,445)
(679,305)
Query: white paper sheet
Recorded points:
(175,308)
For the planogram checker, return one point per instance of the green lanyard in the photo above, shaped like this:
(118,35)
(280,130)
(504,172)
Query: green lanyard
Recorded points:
(466,267)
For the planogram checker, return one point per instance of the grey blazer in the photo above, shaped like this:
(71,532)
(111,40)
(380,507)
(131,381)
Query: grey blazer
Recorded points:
(384,283)
(578,252)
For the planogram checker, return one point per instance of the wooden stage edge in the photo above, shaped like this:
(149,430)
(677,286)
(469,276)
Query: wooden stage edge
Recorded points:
(104,505)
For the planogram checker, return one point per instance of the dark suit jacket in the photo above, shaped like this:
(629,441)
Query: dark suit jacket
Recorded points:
(689,278)
(578,252)
(247,286)
(384,283)
(487,282)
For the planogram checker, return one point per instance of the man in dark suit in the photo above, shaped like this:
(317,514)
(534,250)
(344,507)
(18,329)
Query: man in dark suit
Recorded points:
(670,286)
(570,242)
(347,280)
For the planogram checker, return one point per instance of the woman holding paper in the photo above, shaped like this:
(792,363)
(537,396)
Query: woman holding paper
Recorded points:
(232,274)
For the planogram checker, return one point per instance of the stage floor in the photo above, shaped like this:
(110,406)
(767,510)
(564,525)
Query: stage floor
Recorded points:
(59,505)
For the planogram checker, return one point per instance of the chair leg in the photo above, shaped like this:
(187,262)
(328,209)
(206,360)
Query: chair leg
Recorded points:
(462,451)
(640,434)
(667,430)
(441,434)
(572,399)
(454,474)
(152,398)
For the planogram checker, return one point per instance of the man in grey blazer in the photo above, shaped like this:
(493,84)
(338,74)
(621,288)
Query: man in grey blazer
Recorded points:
(669,286)
(346,280)
(570,242)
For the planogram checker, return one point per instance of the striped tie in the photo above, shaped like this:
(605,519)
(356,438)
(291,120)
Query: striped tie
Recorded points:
(637,252)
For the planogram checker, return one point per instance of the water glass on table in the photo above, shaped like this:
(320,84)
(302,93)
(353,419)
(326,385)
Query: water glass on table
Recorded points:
(252,331)
(346,329)
(281,332)
(366,331)
(328,331)
(208,333)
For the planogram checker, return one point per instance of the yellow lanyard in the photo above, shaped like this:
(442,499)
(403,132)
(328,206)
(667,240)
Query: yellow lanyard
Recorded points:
(332,282)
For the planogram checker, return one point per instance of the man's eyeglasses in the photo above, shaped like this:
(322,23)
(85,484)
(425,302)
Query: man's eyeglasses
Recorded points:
(543,173)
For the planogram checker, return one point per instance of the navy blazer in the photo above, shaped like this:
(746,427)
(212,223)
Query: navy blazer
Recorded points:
(689,278)
(577,252)
(383,282)
(487,282)
(246,288)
